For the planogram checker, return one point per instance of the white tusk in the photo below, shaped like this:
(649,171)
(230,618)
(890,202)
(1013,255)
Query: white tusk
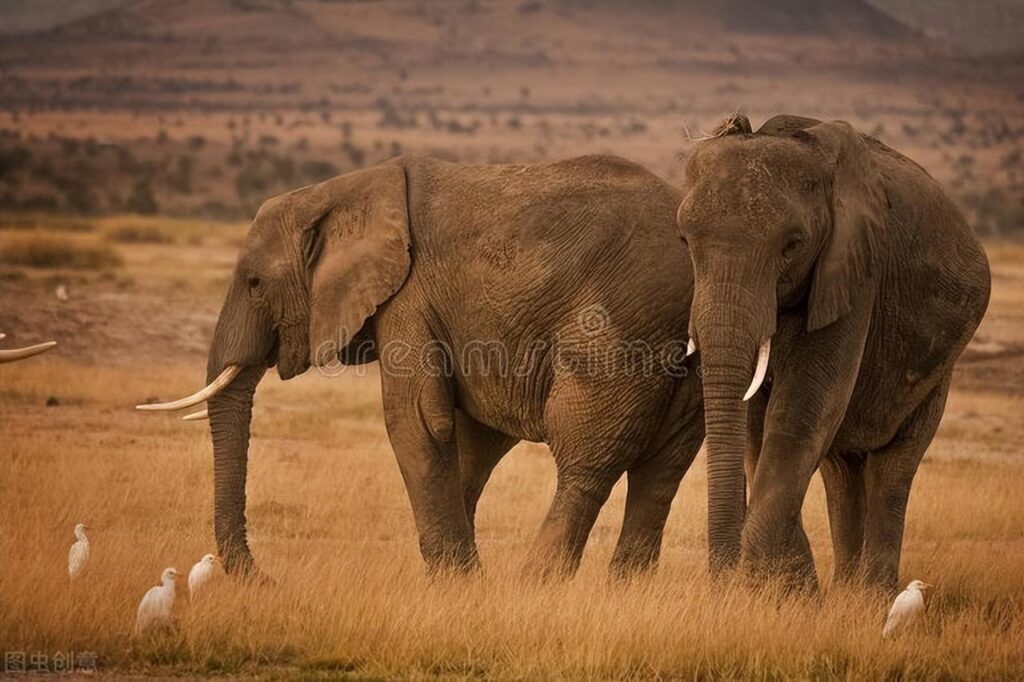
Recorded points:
(215,387)
(761,370)
(691,348)
(196,416)
(27,352)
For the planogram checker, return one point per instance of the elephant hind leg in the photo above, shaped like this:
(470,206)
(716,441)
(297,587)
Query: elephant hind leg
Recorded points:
(480,450)
(596,429)
(654,481)
(843,475)
(890,473)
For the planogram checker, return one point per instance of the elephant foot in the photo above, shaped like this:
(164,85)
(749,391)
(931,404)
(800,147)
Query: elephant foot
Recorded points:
(792,570)
(451,560)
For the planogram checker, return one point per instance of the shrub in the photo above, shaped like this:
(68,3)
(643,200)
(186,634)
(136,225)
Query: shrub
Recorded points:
(138,234)
(141,200)
(51,251)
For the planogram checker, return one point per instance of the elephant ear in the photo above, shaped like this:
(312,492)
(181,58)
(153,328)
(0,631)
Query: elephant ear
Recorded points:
(784,125)
(357,253)
(855,246)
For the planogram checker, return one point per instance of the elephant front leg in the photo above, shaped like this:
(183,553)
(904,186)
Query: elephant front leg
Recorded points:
(813,379)
(420,417)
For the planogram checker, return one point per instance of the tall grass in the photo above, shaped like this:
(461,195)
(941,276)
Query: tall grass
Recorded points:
(46,250)
(330,522)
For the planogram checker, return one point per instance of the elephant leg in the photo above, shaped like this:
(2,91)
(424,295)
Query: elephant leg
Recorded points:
(420,417)
(808,402)
(480,450)
(890,473)
(843,475)
(595,433)
(654,481)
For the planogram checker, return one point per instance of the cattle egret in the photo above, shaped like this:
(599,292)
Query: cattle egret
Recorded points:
(200,575)
(78,555)
(155,607)
(906,610)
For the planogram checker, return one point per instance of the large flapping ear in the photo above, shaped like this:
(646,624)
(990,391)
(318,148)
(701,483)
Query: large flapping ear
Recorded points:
(358,253)
(851,255)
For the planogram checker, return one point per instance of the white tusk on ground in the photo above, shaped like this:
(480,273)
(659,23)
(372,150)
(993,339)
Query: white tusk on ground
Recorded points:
(761,370)
(27,352)
(196,416)
(215,387)
(691,348)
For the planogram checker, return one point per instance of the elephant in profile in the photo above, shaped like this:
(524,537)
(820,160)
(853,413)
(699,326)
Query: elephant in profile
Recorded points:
(504,303)
(838,274)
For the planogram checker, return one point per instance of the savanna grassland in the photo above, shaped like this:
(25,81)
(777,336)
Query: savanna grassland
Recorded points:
(331,524)
(136,141)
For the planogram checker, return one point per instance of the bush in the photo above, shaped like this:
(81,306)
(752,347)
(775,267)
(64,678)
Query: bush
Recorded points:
(141,200)
(50,251)
(138,234)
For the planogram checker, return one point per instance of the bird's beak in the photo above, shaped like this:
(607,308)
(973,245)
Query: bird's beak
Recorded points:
(927,586)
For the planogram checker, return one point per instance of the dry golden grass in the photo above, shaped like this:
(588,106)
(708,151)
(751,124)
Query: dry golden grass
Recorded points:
(46,250)
(330,522)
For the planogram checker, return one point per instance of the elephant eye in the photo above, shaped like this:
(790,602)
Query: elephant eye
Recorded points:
(253,282)
(792,244)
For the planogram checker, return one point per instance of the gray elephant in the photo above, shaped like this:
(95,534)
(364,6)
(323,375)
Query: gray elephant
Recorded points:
(537,302)
(839,273)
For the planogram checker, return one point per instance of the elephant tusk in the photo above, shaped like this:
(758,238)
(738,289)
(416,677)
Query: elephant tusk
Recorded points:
(27,352)
(196,416)
(691,348)
(761,370)
(215,387)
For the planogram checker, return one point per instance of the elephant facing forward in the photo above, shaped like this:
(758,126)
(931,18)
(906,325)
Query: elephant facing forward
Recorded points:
(538,302)
(839,273)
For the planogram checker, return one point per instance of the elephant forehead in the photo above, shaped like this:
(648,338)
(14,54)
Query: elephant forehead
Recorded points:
(714,206)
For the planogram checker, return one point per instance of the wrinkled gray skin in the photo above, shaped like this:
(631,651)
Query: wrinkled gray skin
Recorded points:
(561,264)
(870,283)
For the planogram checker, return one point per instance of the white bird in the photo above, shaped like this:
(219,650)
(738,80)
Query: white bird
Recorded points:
(201,574)
(78,555)
(155,607)
(906,610)
(61,292)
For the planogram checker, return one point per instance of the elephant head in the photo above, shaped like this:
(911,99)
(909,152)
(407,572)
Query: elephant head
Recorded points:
(316,264)
(787,218)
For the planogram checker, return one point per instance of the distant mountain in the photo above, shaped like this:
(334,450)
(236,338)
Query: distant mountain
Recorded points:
(981,26)
(29,16)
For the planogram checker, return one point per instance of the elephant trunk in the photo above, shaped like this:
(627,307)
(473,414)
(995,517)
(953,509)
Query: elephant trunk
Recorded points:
(244,337)
(731,326)
(230,416)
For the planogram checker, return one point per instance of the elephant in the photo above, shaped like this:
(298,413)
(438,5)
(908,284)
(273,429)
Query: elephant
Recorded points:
(504,302)
(840,275)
